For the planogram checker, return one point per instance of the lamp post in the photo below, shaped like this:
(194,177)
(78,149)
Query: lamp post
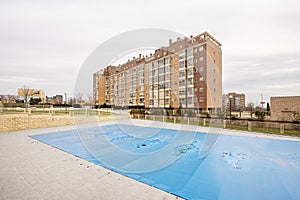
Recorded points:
(230,97)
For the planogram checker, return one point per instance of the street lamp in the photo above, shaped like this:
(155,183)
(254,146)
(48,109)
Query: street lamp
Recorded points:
(230,97)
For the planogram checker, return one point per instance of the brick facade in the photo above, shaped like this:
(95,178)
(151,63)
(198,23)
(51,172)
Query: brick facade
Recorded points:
(285,108)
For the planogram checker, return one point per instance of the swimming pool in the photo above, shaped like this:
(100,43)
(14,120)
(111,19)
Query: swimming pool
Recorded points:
(189,164)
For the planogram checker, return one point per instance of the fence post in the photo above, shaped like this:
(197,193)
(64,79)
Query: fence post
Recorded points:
(154,117)
(281,128)
(249,126)
(174,119)
(163,118)
(204,122)
(224,123)
(188,120)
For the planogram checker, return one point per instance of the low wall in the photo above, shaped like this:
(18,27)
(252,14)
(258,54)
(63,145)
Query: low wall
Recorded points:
(23,122)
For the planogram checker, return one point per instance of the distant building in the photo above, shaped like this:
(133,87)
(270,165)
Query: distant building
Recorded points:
(57,99)
(8,98)
(237,101)
(96,77)
(32,93)
(285,108)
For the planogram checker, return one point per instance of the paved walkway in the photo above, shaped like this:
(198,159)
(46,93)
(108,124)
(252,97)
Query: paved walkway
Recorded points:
(33,170)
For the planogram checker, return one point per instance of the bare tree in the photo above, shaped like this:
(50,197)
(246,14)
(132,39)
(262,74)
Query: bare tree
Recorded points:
(250,106)
(90,99)
(79,97)
(25,92)
(12,98)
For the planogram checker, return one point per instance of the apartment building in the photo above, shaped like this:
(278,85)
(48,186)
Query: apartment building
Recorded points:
(186,74)
(235,101)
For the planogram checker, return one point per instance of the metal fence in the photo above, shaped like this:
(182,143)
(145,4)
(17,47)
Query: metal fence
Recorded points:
(246,125)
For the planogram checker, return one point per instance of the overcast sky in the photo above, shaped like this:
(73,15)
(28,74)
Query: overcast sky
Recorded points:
(43,44)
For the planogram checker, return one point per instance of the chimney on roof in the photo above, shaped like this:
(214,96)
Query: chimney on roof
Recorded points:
(140,55)
(170,41)
(191,36)
(133,58)
(128,60)
(150,54)
(178,38)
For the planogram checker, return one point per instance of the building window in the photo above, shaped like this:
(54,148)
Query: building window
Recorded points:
(182,64)
(161,62)
(201,99)
(181,92)
(167,69)
(201,89)
(190,81)
(200,48)
(201,78)
(201,59)
(189,52)
(201,69)
(182,83)
(167,60)
(195,50)
(190,62)
(182,74)
(190,72)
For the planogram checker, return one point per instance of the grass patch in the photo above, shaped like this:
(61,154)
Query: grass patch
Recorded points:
(231,126)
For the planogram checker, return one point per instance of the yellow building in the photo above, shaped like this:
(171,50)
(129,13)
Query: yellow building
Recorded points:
(22,92)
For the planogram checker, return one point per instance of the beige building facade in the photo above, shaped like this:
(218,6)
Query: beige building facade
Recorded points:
(186,74)
(285,108)
(32,93)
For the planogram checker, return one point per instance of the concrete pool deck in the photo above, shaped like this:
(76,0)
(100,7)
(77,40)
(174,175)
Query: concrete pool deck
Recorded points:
(33,170)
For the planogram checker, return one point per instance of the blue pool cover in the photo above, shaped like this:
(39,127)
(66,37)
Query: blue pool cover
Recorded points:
(235,167)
